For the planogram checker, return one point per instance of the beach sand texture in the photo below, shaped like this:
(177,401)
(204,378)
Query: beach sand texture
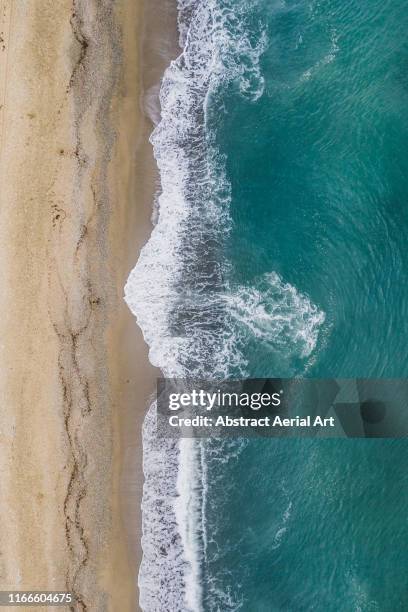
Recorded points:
(74,377)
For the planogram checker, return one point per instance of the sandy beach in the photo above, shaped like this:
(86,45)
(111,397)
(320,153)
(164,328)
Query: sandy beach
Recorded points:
(77,178)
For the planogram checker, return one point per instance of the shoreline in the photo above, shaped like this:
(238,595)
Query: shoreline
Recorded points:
(158,45)
(75,377)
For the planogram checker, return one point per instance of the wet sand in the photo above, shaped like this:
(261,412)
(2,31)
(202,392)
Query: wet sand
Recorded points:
(159,45)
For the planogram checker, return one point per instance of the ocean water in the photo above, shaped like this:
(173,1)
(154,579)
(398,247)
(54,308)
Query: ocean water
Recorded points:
(279,249)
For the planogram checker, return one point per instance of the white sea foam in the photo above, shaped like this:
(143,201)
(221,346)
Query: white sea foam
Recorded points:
(192,321)
(283,527)
(163,568)
(277,314)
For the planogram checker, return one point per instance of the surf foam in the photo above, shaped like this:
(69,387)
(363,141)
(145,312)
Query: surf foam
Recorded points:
(190,319)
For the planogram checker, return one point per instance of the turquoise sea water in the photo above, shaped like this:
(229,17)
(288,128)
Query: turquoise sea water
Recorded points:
(279,250)
(319,184)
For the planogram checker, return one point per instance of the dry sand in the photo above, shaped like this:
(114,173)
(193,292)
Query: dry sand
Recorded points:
(76,187)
